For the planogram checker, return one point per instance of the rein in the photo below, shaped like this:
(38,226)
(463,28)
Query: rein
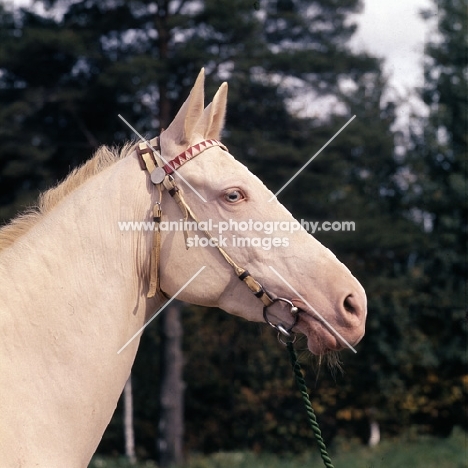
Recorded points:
(149,155)
(308,405)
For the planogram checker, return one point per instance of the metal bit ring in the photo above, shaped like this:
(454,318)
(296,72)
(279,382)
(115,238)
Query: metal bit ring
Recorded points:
(283,330)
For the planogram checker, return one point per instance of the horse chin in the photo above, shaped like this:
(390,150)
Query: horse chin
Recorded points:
(320,340)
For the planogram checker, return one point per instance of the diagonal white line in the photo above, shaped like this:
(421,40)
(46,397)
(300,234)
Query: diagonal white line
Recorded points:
(147,142)
(312,158)
(160,310)
(322,320)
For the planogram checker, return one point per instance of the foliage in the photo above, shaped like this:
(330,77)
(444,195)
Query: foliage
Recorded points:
(121,462)
(438,194)
(64,77)
(427,452)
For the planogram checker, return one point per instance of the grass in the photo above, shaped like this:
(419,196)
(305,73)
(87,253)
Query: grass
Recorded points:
(424,452)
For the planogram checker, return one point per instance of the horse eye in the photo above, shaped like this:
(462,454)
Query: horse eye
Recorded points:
(233,196)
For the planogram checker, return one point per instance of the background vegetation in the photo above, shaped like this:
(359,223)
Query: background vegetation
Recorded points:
(68,68)
(421,452)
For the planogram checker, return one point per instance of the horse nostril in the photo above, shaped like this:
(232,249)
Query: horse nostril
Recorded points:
(351,305)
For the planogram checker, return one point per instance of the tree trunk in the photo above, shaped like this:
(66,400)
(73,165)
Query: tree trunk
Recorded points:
(171,422)
(128,422)
(374,437)
(171,419)
(161,20)
(374,428)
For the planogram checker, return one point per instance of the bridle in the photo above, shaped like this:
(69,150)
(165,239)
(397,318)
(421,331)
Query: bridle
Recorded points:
(160,172)
(151,160)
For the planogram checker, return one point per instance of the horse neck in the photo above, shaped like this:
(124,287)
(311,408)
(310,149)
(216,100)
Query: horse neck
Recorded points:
(72,293)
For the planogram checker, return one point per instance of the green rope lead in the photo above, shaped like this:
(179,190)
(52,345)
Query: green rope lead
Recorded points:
(310,411)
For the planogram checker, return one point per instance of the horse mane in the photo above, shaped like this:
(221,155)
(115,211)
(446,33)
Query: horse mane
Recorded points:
(21,224)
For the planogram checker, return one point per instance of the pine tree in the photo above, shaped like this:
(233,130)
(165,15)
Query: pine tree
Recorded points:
(139,59)
(439,159)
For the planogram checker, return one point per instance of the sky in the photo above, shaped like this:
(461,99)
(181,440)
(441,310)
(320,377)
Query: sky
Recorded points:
(389,29)
(395,31)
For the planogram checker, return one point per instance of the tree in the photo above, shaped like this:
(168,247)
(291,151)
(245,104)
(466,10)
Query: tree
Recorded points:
(171,418)
(52,75)
(128,422)
(139,59)
(438,158)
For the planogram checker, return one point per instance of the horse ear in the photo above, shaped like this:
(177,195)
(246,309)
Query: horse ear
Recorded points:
(212,122)
(182,127)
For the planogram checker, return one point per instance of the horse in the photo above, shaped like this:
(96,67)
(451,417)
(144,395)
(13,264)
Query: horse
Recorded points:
(75,287)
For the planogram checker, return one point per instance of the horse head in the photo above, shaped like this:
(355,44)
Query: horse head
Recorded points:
(305,287)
